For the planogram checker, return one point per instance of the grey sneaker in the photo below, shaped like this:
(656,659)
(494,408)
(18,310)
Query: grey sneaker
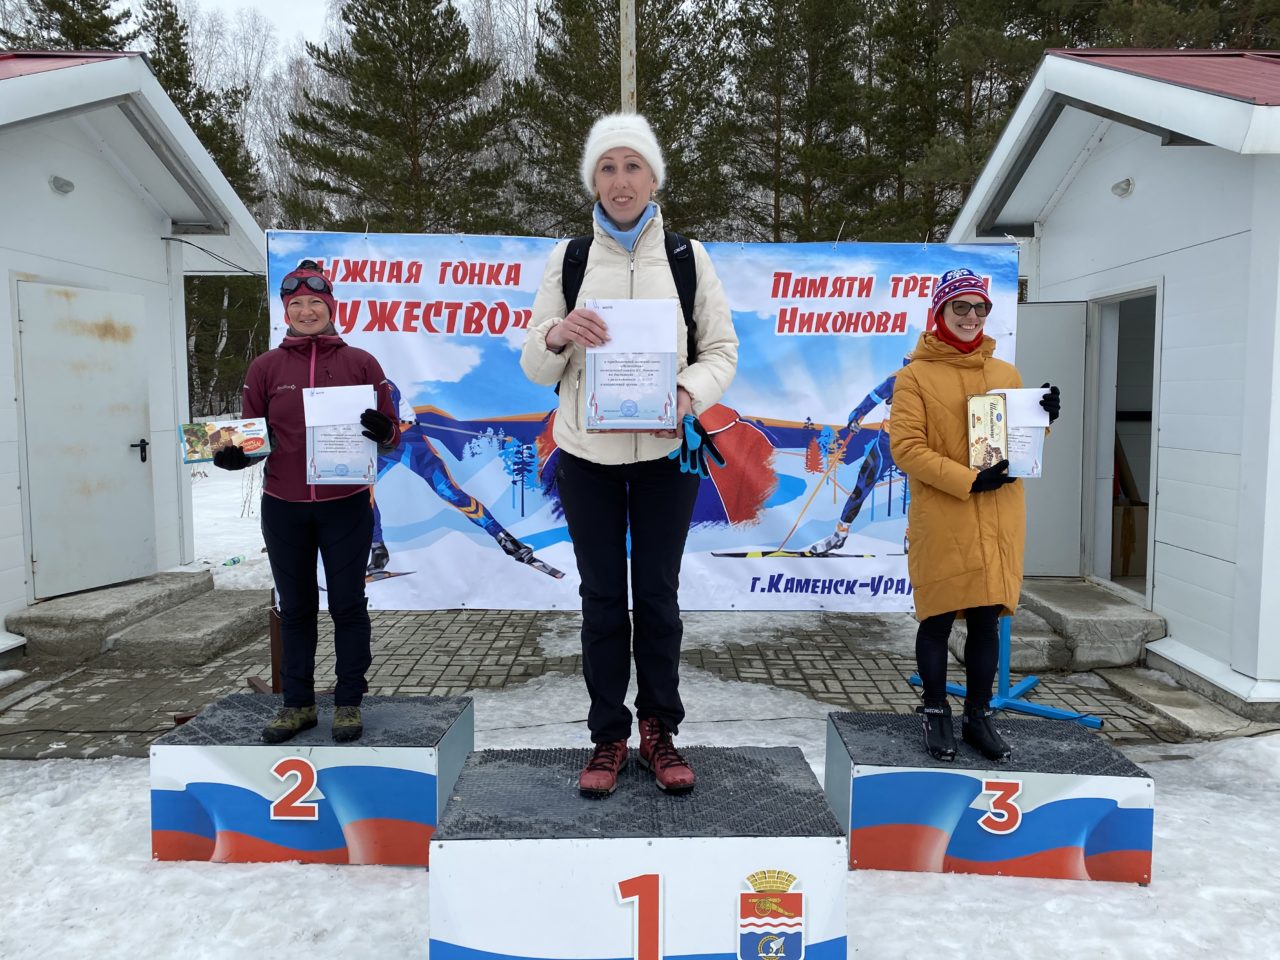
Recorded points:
(288,723)
(347,724)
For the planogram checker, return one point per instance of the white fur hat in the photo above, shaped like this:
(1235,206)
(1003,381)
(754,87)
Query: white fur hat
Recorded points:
(621,130)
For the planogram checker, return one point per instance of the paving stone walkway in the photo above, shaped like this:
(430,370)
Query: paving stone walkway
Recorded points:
(853,662)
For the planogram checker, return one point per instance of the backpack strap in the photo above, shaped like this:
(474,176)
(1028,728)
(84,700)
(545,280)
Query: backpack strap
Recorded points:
(685,273)
(574,269)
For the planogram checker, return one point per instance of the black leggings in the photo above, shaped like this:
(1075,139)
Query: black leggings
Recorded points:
(340,531)
(981,653)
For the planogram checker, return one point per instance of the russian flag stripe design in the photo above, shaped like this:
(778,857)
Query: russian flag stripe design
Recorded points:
(367,815)
(923,821)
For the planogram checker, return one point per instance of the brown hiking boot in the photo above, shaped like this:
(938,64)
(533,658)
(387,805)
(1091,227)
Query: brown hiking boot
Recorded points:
(347,724)
(599,777)
(288,723)
(660,755)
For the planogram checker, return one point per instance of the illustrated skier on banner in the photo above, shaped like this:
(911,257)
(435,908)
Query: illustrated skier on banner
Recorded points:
(418,454)
(876,463)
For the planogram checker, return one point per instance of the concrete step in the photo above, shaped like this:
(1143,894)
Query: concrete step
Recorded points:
(1194,715)
(1100,629)
(77,626)
(193,632)
(1034,647)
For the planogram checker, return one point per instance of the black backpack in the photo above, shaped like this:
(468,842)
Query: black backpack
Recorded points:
(683,270)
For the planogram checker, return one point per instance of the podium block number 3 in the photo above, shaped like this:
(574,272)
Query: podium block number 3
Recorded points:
(646,891)
(291,805)
(1005,815)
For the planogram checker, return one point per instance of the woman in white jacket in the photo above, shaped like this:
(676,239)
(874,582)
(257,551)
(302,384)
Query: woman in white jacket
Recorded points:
(610,483)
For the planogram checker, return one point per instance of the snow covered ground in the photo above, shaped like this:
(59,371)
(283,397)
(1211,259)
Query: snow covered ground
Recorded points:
(78,882)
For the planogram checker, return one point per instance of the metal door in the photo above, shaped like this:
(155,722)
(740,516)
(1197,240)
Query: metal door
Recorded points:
(86,418)
(1051,347)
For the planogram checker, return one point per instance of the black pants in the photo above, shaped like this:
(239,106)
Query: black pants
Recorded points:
(981,653)
(341,531)
(655,501)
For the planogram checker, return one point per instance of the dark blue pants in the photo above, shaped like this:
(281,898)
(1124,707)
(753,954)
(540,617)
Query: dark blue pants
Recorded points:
(340,531)
(653,500)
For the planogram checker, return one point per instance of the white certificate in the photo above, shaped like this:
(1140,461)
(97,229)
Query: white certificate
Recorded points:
(340,454)
(631,380)
(1027,423)
(329,406)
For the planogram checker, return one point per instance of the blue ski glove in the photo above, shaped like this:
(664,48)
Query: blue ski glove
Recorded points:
(696,447)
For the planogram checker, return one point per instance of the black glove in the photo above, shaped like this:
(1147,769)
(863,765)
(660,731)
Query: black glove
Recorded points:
(1052,402)
(696,447)
(992,478)
(231,457)
(377,427)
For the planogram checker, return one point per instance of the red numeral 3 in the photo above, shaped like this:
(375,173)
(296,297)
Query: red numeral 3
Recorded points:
(1005,815)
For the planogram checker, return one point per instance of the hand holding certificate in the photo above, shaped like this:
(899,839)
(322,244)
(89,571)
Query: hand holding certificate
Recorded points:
(631,379)
(337,450)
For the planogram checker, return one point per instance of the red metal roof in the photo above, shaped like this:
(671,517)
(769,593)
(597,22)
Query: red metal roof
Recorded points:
(19,63)
(1249,75)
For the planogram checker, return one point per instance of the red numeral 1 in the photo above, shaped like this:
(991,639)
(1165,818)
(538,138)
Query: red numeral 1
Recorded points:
(1005,816)
(646,891)
(290,806)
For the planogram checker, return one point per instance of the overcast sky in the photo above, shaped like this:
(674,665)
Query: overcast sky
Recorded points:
(290,17)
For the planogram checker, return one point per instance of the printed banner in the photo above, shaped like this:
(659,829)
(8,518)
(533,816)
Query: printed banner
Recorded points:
(809,511)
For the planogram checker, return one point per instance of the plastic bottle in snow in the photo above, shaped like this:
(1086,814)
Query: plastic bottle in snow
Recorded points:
(239,558)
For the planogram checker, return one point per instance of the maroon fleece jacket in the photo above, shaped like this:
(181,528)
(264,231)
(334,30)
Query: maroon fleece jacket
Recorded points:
(273,389)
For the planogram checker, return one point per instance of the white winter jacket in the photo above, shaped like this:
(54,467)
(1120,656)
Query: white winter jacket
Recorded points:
(614,274)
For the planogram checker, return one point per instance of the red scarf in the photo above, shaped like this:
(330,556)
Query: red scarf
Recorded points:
(943,333)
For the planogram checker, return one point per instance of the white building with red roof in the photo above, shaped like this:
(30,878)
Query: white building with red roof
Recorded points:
(108,201)
(1142,187)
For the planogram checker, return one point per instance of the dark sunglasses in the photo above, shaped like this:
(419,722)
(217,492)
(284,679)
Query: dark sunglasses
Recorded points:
(961,308)
(318,284)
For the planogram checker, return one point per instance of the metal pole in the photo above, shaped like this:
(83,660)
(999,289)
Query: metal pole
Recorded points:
(627,43)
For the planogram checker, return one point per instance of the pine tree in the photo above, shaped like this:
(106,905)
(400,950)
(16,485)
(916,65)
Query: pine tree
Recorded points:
(413,148)
(798,114)
(681,49)
(73,25)
(226,316)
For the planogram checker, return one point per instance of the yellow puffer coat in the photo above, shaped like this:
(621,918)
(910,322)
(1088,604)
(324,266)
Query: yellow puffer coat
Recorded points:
(966,548)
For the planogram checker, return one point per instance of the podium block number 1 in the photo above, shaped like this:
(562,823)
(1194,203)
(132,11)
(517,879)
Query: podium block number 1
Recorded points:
(1005,815)
(291,805)
(646,891)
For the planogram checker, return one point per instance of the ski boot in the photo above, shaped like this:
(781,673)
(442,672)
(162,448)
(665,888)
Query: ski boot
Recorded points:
(980,733)
(513,548)
(827,544)
(378,557)
(939,734)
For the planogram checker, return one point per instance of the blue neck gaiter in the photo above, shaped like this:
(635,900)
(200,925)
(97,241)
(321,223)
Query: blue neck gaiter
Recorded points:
(627,238)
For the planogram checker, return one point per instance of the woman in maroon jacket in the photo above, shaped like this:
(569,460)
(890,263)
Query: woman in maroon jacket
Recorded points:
(301,519)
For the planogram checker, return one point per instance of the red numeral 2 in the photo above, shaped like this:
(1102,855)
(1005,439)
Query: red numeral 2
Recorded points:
(1005,815)
(646,891)
(290,806)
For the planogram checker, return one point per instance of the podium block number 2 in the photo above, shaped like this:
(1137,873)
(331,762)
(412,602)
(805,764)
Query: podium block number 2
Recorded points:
(1005,815)
(291,805)
(646,891)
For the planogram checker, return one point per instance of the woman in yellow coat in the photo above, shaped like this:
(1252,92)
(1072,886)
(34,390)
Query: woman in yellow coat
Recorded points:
(967,526)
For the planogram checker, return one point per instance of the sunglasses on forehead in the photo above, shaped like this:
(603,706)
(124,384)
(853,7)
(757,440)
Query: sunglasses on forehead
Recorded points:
(318,284)
(961,308)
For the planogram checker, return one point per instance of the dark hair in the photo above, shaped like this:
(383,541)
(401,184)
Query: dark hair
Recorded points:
(308,265)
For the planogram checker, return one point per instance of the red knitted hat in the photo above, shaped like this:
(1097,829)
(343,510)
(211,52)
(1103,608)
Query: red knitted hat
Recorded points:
(308,280)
